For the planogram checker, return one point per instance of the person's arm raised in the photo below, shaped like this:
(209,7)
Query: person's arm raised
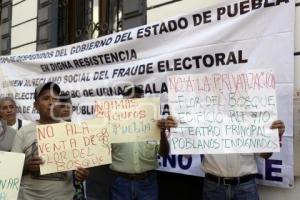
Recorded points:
(163,124)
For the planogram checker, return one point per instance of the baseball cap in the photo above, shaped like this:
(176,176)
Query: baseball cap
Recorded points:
(65,98)
(132,89)
(46,86)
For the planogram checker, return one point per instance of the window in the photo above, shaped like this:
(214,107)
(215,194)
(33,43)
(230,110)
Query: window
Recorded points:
(5,26)
(77,22)
(63,22)
(109,19)
(74,21)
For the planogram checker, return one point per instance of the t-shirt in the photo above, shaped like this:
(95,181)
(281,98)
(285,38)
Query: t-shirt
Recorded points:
(7,136)
(56,186)
(19,123)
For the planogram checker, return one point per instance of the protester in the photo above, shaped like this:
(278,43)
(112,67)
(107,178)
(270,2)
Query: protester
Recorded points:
(7,136)
(232,176)
(63,108)
(98,183)
(56,186)
(63,111)
(8,112)
(133,164)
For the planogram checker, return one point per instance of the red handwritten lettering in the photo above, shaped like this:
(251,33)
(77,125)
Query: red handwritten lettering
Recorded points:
(45,132)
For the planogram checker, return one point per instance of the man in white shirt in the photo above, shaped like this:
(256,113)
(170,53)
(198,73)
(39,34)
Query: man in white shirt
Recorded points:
(232,176)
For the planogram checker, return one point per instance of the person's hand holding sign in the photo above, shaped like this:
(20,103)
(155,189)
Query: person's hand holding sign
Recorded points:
(167,123)
(33,164)
(278,124)
(164,124)
(81,174)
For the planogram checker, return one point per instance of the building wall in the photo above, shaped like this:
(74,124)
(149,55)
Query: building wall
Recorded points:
(161,9)
(23,26)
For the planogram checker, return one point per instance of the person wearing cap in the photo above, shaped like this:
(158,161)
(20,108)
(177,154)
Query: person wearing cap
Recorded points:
(63,112)
(63,108)
(33,185)
(8,112)
(133,164)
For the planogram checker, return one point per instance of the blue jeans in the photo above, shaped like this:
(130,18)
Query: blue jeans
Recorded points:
(125,189)
(215,191)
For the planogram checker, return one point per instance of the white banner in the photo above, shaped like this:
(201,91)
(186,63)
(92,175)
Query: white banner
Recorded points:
(233,36)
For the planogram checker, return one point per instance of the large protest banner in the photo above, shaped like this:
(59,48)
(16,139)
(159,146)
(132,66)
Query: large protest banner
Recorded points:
(223,112)
(11,169)
(235,35)
(66,146)
(130,120)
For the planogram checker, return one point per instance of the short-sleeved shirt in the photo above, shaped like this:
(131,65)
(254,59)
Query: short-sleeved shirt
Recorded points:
(229,165)
(19,123)
(56,186)
(7,138)
(135,157)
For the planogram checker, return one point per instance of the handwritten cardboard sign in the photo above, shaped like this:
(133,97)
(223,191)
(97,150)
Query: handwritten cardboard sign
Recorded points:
(66,146)
(130,120)
(223,112)
(11,168)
